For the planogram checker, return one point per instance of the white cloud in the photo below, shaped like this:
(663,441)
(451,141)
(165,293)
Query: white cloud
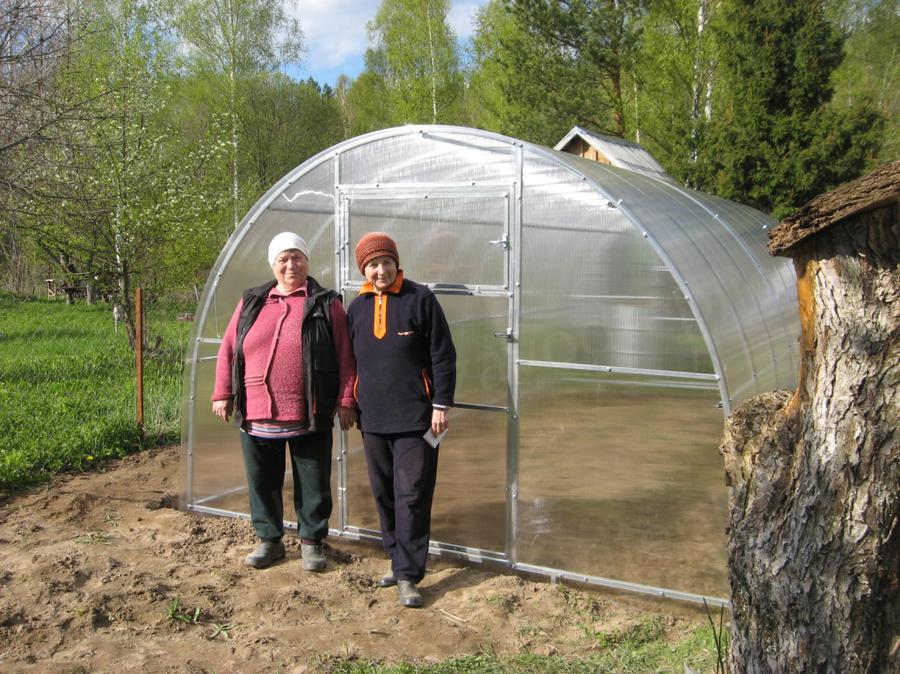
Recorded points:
(462,18)
(335,30)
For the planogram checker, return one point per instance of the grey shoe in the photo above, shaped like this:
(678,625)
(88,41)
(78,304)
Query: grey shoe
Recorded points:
(409,594)
(265,553)
(387,580)
(313,556)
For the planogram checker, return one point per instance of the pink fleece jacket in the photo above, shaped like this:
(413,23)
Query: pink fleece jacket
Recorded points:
(273,359)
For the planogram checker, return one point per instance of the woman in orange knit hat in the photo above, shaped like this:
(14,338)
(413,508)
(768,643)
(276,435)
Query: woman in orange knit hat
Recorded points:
(406,376)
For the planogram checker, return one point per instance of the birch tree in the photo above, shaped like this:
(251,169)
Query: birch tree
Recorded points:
(414,57)
(229,42)
(675,70)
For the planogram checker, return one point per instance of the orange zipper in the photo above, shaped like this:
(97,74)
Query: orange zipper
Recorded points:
(427,386)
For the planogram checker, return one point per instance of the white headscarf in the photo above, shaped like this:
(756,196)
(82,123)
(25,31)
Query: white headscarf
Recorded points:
(286,241)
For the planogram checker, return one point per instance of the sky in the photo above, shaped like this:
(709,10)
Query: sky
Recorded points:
(336,39)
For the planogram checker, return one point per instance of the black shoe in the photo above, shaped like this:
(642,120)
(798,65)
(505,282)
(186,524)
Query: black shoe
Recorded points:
(265,554)
(409,594)
(387,580)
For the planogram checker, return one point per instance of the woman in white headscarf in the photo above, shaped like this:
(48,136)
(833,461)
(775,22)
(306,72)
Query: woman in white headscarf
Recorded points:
(285,367)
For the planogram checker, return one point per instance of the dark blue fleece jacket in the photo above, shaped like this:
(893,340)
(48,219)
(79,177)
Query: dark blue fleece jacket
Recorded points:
(410,366)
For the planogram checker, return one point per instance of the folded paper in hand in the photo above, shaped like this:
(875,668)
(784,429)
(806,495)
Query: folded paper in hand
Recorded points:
(433,440)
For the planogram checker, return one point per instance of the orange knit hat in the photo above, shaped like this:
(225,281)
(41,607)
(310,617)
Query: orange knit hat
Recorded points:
(372,245)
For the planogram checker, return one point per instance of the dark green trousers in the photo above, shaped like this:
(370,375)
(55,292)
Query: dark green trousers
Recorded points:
(311,467)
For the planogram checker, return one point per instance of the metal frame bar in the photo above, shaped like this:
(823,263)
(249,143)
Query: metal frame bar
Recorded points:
(514,279)
(480,556)
(341,276)
(674,374)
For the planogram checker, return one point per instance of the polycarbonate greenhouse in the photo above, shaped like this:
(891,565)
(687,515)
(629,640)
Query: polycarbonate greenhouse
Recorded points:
(605,321)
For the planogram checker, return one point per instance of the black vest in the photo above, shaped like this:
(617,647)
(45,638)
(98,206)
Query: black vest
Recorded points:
(320,366)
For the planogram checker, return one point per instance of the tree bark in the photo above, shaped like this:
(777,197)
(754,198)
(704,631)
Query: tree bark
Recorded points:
(813,477)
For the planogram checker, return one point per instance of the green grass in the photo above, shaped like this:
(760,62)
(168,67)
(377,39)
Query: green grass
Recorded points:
(643,650)
(67,387)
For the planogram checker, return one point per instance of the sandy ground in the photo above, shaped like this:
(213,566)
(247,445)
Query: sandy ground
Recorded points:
(91,567)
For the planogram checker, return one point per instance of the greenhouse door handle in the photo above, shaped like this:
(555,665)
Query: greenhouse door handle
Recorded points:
(506,334)
(503,243)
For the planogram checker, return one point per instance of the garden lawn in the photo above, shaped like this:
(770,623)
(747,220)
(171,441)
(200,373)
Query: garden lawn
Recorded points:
(67,386)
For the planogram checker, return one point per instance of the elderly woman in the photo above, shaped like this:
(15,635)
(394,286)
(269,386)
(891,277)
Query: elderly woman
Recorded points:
(284,368)
(406,366)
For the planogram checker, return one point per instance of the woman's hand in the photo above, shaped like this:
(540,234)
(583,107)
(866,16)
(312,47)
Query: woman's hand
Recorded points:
(439,421)
(223,409)
(347,417)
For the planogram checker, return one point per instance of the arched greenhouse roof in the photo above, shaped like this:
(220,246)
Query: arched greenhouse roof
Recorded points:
(743,300)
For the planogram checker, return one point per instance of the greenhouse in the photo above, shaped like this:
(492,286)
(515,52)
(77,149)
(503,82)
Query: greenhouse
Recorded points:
(604,321)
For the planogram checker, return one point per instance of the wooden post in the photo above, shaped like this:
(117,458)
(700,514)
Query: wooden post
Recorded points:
(139,354)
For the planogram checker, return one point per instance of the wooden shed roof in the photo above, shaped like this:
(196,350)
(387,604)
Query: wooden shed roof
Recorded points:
(618,152)
(874,190)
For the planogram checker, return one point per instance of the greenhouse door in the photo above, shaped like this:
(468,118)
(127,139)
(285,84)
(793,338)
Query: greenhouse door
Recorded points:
(457,240)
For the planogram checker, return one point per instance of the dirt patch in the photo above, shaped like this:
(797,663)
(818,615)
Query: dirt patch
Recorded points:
(100,573)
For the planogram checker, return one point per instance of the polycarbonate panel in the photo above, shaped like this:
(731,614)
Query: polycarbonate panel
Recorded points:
(435,157)
(361,510)
(724,270)
(593,290)
(481,358)
(217,468)
(441,239)
(733,251)
(781,317)
(470,498)
(620,477)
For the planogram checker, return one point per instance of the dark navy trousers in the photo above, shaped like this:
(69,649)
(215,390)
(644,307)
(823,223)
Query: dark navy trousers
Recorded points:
(264,462)
(402,474)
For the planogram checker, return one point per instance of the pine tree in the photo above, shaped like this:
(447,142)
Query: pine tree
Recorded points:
(773,142)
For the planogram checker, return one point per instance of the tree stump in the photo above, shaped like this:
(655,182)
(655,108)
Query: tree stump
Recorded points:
(814,474)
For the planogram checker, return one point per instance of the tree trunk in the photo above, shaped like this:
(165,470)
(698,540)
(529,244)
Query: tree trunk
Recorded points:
(126,302)
(813,477)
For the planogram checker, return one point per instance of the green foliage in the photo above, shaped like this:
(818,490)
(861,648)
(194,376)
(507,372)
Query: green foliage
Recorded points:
(284,122)
(556,65)
(412,68)
(733,98)
(674,75)
(366,110)
(176,612)
(640,649)
(870,71)
(510,80)
(239,38)
(229,44)
(121,190)
(67,395)
(163,122)
(774,142)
